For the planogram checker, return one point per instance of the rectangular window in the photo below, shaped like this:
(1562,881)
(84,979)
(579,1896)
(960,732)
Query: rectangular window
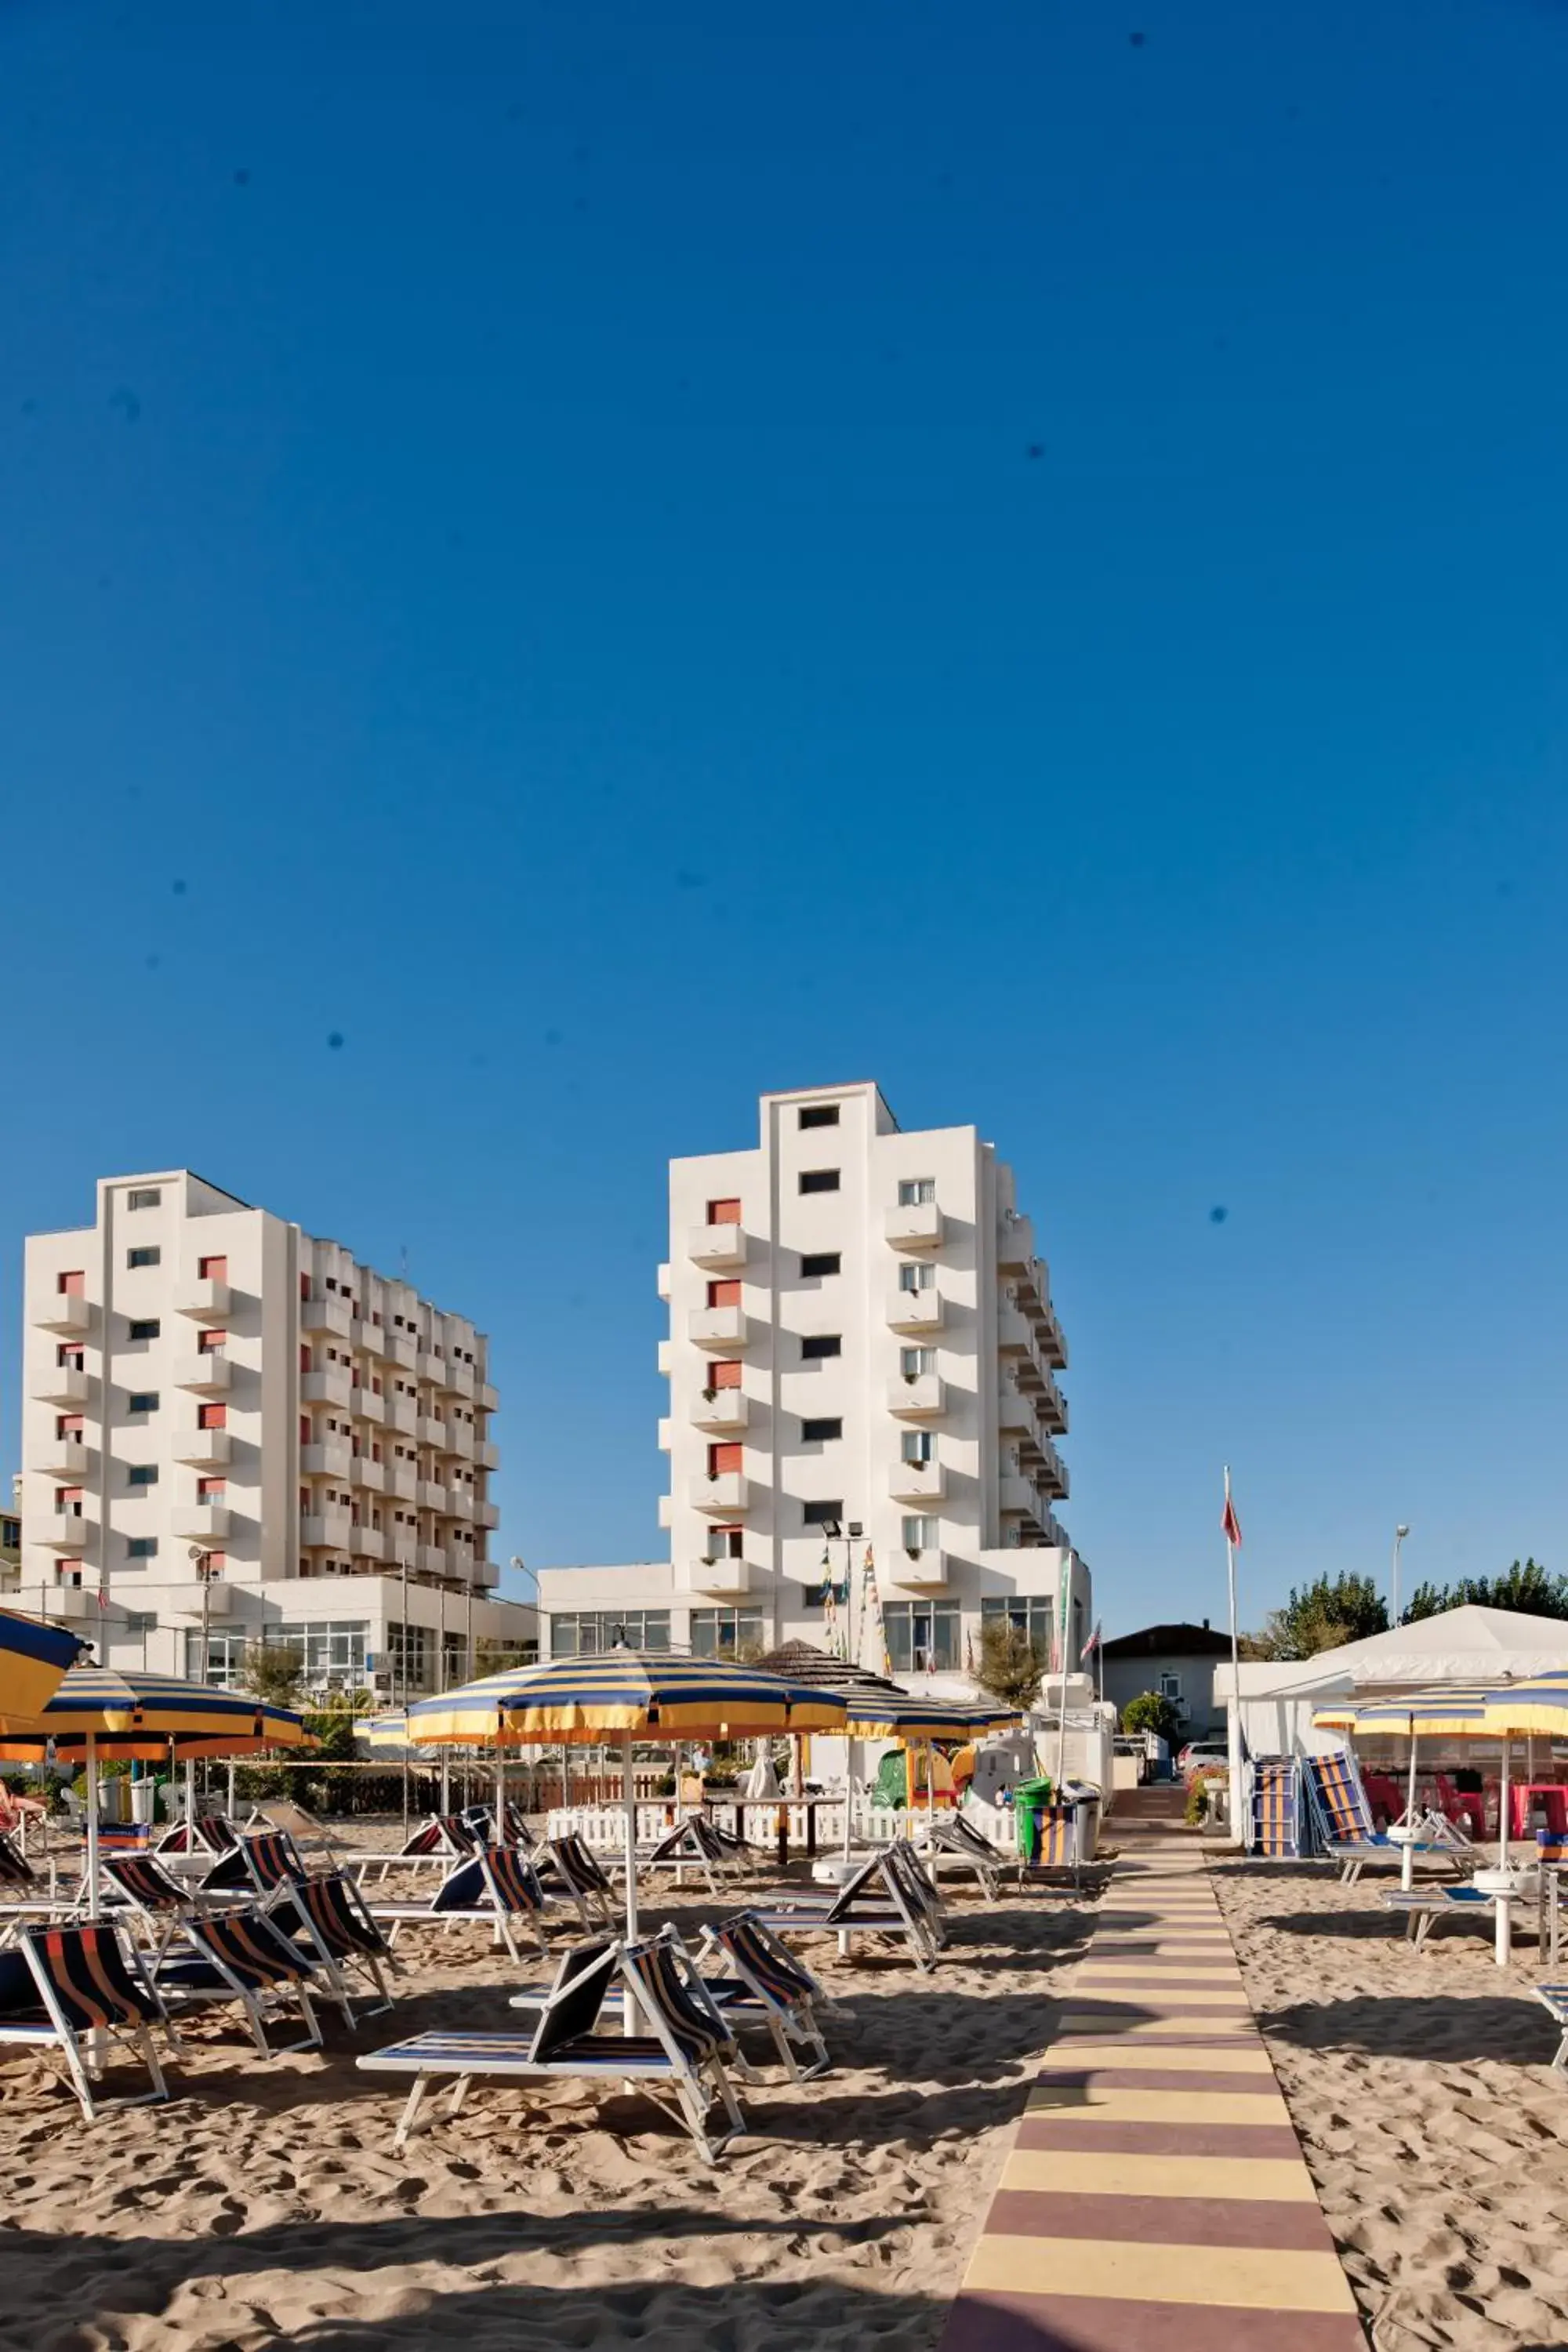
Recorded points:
(148,1254)
(70,1286)
(585,1633)
(913,1363)
(142,1196)
(723,1213)
(211,1490)
(210,1343)
(142,1473)
(141,1400)
(71,1357)
(724,1633)
(821,1431)
(815,1263)
(920,1534)
(922,1636)
(725,1375)
(726,1543)
(411,1653)
(212,1416)
(819,1179)
(142,1547)
(918,1445)
(213,1269)
(814,1515)
(818,1344)
(916,1192)
(723,1294)
(721,1459)
(1030,1615)
(1170,1686)
(145,1326)
(913,1276)
(68,1425)
(225,1657)
(817,1115)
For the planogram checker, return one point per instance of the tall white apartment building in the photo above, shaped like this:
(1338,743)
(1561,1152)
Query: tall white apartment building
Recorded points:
(234,1432)
(861,1336)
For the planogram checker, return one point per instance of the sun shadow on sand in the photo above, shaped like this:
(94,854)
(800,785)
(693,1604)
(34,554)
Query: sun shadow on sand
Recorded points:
(760,2317)
(1350,1927)
(1517,2032)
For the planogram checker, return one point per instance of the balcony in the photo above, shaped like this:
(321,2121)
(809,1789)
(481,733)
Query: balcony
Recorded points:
(916,1482)
(917,1396)
(331,1385)
(329,1317)
(401,1414)
(719,1579)
(459,1440)
(915,1226)
(725,1494)
(326,1531)
(721,1328)
(717,1246)
(74,1601)
(60,1384)
(1017,1496)
(368,1543)
(485,1574)
(65,1458)
(487,1514)
(366,1405)
(1053,1343)
(1015,1244)
(202,1522)
(370,1475)
(430,1559)
(486,1456)
(1053,1405)
(917,1571)
(65,1531)
(485,1396)
(203,1449)
(1053,1480)
(208,1373)
(721,1409)
(915,1311)
(1016,1340)
(430,1431)
(66,1313)
(430,1496)
(206,1301)
(326,1462)
(430,1367)
(1015,1415)
(399,1348)
(458,1379)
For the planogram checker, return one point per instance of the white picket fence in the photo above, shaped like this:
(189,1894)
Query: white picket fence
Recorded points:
(602,1828)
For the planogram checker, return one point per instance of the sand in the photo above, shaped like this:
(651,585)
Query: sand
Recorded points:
(1421,2087)
(263,2207)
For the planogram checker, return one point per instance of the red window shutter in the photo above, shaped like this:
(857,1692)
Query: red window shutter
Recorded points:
(304,1499)
(723,1294)
(210,1342)
(69,1424)
(304,1357)
(211,1489)
(66,1495)
(723,1213)
(727,1375)
(305,1429)
(725,1457)
(217,1562)
(213,1269)
(304,1285)
(212,1416)
(71,1286)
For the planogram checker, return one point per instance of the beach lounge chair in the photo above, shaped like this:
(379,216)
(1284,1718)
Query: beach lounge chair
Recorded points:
(1554,1997)
(679,2053)
(240,1956)
(67,1985)
(880,1899)
(766,1984)
(309,1831)
(494,1888)
(949,1841)
(23,1897)
(582,1876)
(328,1918)
(206,1833)
(440,1841)
(140,1883)
(1426,1907)
(684,1847)
(255,1865)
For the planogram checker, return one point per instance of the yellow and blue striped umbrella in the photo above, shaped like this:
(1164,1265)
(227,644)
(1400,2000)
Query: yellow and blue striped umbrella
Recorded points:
(33,1658)
(1537,1703)
(625,1694)
(137,1715)
(1445,1711)
(387,1730)
(907,1716)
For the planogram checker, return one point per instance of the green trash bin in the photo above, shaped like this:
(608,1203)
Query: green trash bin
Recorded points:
(1030,1800)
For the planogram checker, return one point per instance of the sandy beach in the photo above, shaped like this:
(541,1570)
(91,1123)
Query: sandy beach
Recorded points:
(263,2206)
(1421,2089)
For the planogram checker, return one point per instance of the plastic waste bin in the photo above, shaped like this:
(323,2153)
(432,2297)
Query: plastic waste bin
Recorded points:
(1030,1800)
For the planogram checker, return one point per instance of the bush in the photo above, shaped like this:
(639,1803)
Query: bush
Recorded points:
(1150,1711)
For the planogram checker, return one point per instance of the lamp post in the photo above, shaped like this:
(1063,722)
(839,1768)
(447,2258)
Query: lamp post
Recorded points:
(201,1561)
(849,1534)
(1399,1534)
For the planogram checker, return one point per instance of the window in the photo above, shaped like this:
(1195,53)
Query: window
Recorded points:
(210,1343)
(918,1445)
(70,1286)
(920,1534)
(817,1115)
(141,1400)
(724,1458)
(916,1192)
(1171,1687)
(212,1416)
(142,1474)
(211,1490)
(922,1636)
(818,1344)
(914,1277)
(149,1254)
(145,1326)
(725,1374)
(725,1213)
(142,1547)
(814,1514)
(329,1653)
(819,1179)
(144,1196)
(71,1357)
(819,1261)
(1027,1614)
(225,1657)
(411,1654)
(915,1361)
(211,1269)
(584,1632)
(140,1621)
(725,1543)
(821,1432)
(723,1294)
(720,1632)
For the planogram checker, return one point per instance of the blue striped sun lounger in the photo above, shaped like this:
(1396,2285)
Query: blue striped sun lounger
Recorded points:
(1425,1908)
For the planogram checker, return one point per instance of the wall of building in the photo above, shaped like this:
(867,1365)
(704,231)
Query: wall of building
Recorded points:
(1126,1677)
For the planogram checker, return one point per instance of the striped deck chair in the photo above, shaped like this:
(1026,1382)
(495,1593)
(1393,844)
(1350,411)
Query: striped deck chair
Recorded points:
(583,1878)
(948,1841)
(682,1848)
(677,2054)
(1276,1812)
(878,1900)
(1424,1908)
(328,1918)
(437,1844)
(67,1985)
(23,1899)
(140,1883)
(208,1834)
(765,1984)
(258,1865)
(241,1956)
(494,1888)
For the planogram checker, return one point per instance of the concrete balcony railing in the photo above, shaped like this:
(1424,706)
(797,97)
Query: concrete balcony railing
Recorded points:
(719,1579)
(65,1458)
(1015,1415)
(400,1482)
(721,1409)
(915,1226)
(327,1461)
(208,1373)
(203,1300)
(326,1531)
(485,1396)
(331,1385)
(917,1396)
(61,1384)
(485,1573)
(1015,1244)
(431,1431)
(487,1514)
(203,1449)
(430,1366)
(459,1440)
(400,1347)
(65,1531)
(202,1522)
(369,1543)
(486,1455)
(1053,1405)
(458,1379)
(74,1601)
(916,1482)
(926,1570)
(1053,1482)
(370,1475)
(327,1316)
(723,1494)
(66,1313)
(429,1496)
(1018,1498)
(721,1328)
(401,1414)
(431,1560)
(916,1311)
(366,1405)
(717,1246)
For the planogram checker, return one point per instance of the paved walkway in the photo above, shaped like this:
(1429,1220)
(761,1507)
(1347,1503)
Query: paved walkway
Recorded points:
(1155,2199)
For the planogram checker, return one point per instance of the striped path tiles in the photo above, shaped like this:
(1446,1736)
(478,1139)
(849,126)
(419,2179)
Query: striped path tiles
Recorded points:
(1155,2199)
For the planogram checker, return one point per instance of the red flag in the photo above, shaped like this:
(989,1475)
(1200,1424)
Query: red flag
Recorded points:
(1230,1523)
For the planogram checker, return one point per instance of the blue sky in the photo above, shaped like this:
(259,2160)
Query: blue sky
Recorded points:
(611,559)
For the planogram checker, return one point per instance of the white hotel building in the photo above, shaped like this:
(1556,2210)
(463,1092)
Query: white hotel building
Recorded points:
(217,1407)
(861,1336)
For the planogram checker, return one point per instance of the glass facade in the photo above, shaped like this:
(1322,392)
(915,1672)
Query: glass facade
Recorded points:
(720,1632)
(225,1657)
(1033,1615)
(923,1636)
(330,1653)
(585,1633)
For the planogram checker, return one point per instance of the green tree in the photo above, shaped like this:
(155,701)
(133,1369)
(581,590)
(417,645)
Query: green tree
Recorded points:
(1321,1616)
(274,1670)
(1526,1587)
(1153,1711)
(1011,1664)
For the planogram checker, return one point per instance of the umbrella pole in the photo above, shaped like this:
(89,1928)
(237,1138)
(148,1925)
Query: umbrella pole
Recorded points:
(190,1804)
(1502,1943)
(501,1793)
(848,1785)
(90,1774)
(631,1842)
(1407,1859)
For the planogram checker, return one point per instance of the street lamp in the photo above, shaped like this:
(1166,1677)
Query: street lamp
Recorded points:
(847,1534)
(203,1563)
(1399,1534)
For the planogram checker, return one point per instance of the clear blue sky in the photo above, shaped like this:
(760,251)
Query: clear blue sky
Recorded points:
(613,557)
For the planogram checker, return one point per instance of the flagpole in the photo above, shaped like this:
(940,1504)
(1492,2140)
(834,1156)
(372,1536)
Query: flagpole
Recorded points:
(1062,1684)
(1235,1742)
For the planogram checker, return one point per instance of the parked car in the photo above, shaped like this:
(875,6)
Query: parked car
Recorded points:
(1200,1754)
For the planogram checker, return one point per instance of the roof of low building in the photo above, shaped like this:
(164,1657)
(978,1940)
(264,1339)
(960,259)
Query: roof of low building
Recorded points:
(1171,1641)
(802,1661)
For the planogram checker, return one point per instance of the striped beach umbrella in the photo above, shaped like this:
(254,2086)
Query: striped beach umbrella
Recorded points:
(33,1657)
(1443,1711)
